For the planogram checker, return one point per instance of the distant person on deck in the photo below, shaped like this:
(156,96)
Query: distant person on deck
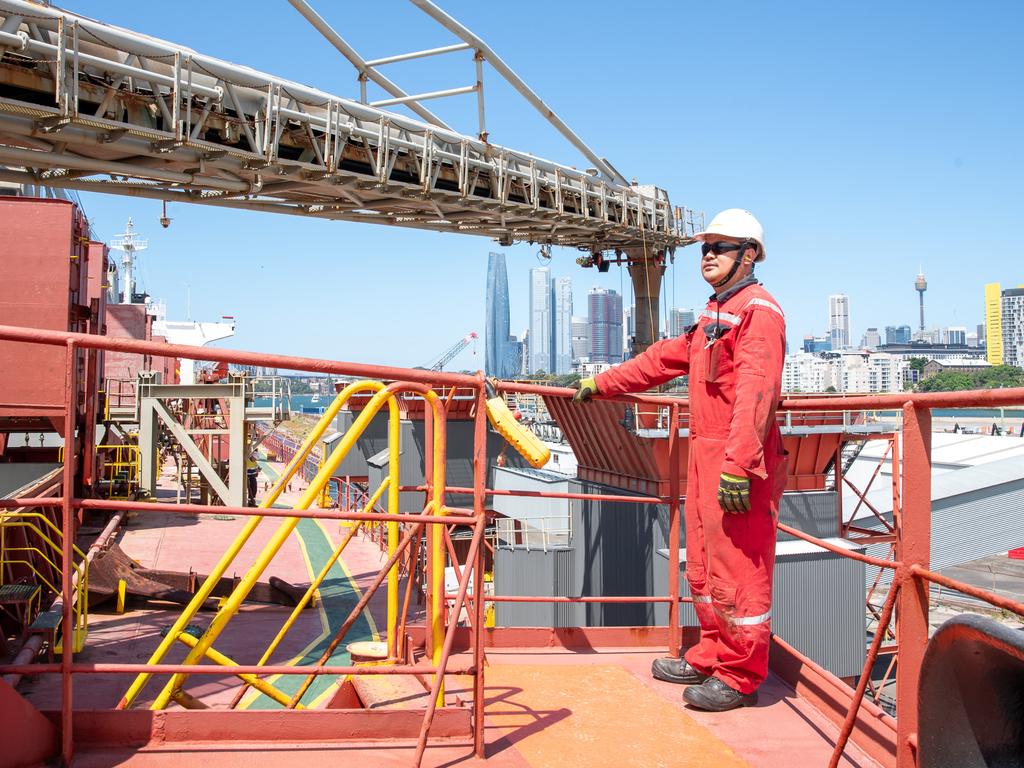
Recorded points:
(252,472)
(737,468)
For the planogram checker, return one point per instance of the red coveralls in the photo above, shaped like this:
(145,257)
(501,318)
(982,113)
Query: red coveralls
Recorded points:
(734,387)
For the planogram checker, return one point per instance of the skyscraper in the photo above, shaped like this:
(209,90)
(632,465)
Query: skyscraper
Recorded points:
(561,325)
(605,325)
(679,320)
(815,344)
(496,327)
(540,320)
(897,334)
(628,328)
(580,338)
(839,320)
(872,339)
(955,335)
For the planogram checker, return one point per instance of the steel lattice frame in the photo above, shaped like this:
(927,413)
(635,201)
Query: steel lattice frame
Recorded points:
(89,106)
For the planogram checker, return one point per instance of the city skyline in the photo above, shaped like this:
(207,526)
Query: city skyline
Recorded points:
(836,221)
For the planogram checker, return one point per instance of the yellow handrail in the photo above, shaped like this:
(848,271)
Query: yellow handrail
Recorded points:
(232,552)
(24,519)
(242,589)
(126,456)
(301,605)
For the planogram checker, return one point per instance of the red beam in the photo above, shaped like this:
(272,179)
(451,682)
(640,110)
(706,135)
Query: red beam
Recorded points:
(141,727)
(311,364)
(545,494)
(562,599)
(874,731)
(237,669)
(838,550)
(997,600)
(207,509)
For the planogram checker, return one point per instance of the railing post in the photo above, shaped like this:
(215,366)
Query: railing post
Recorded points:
(479,607)
(913,547)
(841,527)
(674,638)
(67,561)
(430,542)
(394,457)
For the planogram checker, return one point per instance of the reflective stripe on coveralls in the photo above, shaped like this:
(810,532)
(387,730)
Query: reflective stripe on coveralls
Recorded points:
(734,387)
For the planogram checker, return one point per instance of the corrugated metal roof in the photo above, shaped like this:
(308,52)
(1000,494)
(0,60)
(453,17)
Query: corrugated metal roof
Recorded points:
(976,501)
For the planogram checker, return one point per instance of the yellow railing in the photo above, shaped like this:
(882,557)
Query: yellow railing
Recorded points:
(121,469)
(44,541)
(382,396)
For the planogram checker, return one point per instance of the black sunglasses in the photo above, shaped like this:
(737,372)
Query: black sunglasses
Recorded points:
(720,247)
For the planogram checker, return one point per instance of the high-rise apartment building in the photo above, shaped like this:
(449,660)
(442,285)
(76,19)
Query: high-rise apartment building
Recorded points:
(679,320)
(580,339)
(1004,325)
(561,325)
(897,334)
(850,371)
(839,320)
(993,324)
(605,325)
(497,347)
(540,320)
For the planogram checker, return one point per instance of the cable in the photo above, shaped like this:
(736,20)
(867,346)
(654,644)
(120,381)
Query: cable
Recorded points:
(647,276)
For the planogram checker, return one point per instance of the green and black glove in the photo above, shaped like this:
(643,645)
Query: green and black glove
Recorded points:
(586,389)
(733,493)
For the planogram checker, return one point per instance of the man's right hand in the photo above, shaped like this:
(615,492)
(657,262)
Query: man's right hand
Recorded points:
(586,389)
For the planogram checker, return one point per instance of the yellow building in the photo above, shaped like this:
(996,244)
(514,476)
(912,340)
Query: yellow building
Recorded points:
(993,324)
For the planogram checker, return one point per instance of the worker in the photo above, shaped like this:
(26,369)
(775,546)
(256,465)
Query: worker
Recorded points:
(252,472)
(737,466)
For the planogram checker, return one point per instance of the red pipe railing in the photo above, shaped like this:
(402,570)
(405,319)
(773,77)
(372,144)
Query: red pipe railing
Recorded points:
(908,593)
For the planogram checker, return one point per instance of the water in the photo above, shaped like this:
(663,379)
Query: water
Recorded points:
(301,403)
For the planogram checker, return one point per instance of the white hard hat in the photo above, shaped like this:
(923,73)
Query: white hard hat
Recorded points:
(738,223)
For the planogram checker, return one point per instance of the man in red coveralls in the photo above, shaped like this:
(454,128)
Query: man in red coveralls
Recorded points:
(737,467)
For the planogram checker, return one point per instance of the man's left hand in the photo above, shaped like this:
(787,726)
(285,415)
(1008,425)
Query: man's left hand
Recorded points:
(733,493)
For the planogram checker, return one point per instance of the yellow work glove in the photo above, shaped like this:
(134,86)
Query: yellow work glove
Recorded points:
(733,493)
(586,389)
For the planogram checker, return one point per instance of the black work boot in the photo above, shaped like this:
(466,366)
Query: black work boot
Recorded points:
(715,696)
(676,671)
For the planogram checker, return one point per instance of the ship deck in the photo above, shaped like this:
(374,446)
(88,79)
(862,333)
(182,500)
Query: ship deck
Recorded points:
(586,698)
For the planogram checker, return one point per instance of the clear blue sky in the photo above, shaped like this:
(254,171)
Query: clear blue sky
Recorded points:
(870,139)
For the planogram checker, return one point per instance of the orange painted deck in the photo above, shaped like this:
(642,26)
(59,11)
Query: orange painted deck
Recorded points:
(552,706)
(556,707)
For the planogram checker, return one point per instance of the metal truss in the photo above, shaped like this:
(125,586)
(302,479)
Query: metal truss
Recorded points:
(89,106)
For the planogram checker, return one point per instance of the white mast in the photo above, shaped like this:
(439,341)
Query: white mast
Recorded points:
(129,244)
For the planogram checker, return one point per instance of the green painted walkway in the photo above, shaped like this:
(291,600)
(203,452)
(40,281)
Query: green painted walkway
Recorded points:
(337,596)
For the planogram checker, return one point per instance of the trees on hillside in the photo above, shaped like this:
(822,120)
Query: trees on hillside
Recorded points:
(995,377)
